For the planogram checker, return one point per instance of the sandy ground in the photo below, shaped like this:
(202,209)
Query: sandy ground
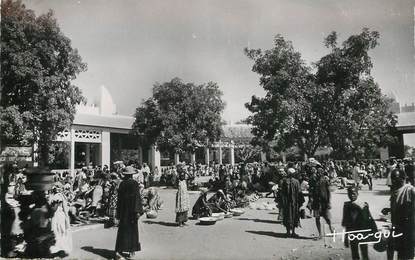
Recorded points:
(255,235)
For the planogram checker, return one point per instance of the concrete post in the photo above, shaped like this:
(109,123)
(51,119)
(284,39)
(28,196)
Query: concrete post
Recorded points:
(176,158)
(105,148)
(263,156)
(231,154)
(284,157)
(193,157)
(87,154)
(220,153)
(140,155)
(154,157)
(72,154)
(207,159)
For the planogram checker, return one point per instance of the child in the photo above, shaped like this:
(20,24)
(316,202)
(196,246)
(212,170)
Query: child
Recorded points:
(356,216)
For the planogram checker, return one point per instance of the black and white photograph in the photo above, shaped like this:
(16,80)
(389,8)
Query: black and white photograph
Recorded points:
(207,129)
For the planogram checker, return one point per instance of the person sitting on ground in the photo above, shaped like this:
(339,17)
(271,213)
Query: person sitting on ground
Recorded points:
(219,202)
(201,208)
(154,201)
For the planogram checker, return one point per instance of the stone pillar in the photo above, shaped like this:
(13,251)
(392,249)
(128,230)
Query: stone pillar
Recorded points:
(284,157)
(207,159)
(105,148)
(176,158)
(384,153)
(220,153)
(140,155)
(72,153)
(263,156)
(99,157)
(35,155)
(193,157)
(87,154)
(231,154)
(154,157)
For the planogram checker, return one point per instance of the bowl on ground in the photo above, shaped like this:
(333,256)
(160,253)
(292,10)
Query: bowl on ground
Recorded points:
(218,216)
(207,220)
(228,214)
(237,212)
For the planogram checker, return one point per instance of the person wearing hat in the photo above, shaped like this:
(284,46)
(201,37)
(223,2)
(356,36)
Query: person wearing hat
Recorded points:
(129,209)
(291,200)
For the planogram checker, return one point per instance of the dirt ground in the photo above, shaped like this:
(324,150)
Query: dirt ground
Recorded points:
(257,234)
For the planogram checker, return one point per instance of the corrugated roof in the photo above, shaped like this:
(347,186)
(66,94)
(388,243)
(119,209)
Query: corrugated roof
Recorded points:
(110,121)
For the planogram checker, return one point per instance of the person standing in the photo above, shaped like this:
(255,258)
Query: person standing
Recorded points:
(146,175)
(410,171)
(129,209)
(112,200)
(320,200)
(403,216)
(182,198)
(291,201)
(357,217)
(60,222)
(356,174)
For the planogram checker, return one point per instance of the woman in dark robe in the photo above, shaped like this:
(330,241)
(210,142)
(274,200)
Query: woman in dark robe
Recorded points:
(129,209)
(201,208)
(291,201)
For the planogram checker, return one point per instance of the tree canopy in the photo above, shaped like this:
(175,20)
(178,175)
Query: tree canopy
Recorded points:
(38,65)
(335,101)
(179,116)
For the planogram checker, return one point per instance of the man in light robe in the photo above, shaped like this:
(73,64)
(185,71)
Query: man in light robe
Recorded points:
(403,215)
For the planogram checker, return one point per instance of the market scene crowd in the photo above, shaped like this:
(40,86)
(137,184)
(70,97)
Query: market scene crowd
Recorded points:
(300,190)
(304,148)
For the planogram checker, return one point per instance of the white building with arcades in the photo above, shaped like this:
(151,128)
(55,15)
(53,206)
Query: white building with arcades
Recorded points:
(99,136)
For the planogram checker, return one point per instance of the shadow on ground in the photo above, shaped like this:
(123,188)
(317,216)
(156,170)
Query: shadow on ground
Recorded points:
(274,234)
(104,253)
(162,223)
(261,220)
(382,192)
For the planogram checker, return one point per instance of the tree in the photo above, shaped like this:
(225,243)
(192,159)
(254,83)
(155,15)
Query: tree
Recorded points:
(285,116)
(247,152)
(354,112)
(180,116)
(38,65)
(336,103)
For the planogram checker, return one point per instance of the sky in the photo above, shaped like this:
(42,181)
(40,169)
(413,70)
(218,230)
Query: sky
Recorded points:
(131,44)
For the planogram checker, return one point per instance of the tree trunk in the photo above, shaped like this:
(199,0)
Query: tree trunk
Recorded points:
(43,154)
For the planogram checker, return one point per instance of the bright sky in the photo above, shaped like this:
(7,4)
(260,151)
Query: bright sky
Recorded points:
(131,44)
